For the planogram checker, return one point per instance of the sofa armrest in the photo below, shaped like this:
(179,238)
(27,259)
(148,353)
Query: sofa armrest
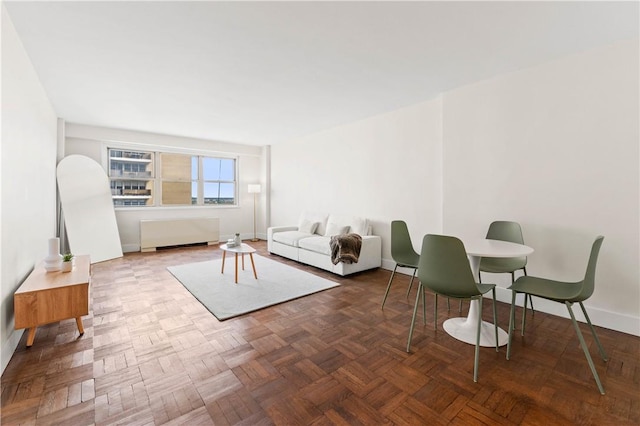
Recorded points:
(372,248)
(272,230)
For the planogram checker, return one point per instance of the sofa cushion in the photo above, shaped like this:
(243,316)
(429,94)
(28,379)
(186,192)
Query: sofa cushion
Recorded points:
(290,238)
(357,225)
(316,244)
(335,229)
(308,226)
(312,217)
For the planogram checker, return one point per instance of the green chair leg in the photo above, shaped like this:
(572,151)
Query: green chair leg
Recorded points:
(424,307)
(585,348)
(413,319)
(435,312)
(495,317)
(603,354)
(512,318)
(533,311)
(524,305)
(477,355)
(524,314)
(411,282)
(386,293)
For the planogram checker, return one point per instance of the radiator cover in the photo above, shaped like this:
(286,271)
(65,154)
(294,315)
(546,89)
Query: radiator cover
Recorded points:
(175,232)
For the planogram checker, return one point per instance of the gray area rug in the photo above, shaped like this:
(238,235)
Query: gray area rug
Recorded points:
(225,299)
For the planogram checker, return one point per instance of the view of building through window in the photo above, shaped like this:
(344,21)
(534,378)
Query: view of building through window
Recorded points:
(181,179)
(132,177)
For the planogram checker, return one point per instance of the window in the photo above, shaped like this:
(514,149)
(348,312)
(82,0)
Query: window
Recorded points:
(181,179)
(218,178)
(132,177)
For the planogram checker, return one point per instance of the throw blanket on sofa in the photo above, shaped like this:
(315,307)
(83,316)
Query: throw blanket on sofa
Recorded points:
(345,248)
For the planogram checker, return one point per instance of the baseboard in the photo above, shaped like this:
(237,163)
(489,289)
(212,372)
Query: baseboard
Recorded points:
(612,320)
(246,238)
(9,347)
(130,248)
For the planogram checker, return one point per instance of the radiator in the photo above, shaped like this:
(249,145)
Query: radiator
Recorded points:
(175,232)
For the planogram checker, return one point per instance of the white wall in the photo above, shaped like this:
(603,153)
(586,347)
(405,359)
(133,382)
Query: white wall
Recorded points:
(28,155)
(555,148)
(93,142)
(385,167)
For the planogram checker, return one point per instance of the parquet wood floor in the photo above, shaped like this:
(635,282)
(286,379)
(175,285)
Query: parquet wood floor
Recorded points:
(152,354)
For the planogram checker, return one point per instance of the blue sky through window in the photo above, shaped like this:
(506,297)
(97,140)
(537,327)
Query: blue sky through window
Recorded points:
(214,169)
(194,168)
(218,168)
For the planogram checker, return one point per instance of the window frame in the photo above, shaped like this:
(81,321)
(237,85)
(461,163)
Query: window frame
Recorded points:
(202,181)
(157,178)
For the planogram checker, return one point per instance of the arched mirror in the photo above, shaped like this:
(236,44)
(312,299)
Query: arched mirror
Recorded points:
(89,215)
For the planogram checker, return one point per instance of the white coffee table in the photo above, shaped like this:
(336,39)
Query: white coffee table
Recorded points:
(465,329)
(242,249)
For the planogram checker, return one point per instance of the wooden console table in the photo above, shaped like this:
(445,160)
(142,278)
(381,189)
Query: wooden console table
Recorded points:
(47,297)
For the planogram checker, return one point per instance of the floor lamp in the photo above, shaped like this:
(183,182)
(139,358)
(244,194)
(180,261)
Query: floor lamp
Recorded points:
(255,190)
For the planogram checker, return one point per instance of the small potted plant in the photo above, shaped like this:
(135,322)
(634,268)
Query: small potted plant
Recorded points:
(67,262)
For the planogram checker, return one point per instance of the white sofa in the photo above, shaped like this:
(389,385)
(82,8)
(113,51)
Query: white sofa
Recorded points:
(308,242)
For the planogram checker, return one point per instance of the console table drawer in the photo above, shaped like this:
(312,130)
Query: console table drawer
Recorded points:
(46,306)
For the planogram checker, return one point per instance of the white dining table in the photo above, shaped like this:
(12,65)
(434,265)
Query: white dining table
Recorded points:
(464,328)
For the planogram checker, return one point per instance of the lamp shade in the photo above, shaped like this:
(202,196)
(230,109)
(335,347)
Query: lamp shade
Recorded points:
(254,189)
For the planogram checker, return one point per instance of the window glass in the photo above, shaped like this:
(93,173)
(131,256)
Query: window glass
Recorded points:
(219,193)
(218,169)
(194,193)
(176,173)
(131,177)
(194,168)
(182,179)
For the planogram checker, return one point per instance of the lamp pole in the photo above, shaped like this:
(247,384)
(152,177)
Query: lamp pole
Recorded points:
(255,190)
(255,236)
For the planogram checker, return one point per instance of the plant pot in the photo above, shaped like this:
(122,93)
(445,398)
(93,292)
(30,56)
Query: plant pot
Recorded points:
(66,266)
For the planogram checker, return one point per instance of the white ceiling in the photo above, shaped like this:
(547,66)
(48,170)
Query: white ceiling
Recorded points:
(264,72)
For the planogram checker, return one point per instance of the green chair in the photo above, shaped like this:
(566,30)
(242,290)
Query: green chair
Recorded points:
(510,232)
(402,252)
(444,269)
(567,293)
